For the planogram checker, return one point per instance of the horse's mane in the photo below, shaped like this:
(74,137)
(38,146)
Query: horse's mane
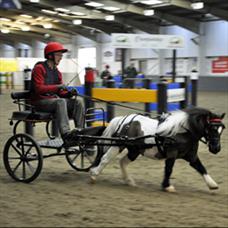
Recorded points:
(191,119)
(198,117)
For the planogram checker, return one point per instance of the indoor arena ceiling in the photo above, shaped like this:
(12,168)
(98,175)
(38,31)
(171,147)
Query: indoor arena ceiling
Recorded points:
(58,20)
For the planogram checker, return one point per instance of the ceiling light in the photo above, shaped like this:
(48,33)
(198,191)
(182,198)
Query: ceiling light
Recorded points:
(63,10)
(5,30)
(49,11)
(151,2)
(78,13)
(197,5)
(39,18)
(94,4)
(148,12)
(4,19)
(19,22)
(63,15)
(111,8)
(109,17)
(77,22)
(47,35)
(26,15)
(35,1)
(25,28)
(47,26)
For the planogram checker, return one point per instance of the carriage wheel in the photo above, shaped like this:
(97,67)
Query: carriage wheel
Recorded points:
(81,158)
(22,158)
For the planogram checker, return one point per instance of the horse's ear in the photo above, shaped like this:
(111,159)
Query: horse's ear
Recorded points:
(223,115)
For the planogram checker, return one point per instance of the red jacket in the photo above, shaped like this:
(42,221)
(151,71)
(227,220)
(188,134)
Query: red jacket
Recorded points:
(45,81)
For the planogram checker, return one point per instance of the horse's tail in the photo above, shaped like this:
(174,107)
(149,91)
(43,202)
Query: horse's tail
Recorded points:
(173,124)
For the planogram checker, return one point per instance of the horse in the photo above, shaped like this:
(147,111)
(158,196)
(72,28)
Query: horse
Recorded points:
(175,135)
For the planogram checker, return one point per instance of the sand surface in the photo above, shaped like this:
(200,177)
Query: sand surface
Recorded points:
(63,197)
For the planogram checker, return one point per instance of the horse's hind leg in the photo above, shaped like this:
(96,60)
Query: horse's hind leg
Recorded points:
(198,166)
(107,157)
(124,161)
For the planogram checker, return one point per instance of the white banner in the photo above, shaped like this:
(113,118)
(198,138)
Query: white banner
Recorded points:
(125,40)
(176,95)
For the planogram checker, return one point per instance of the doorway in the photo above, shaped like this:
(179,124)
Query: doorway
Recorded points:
(86,58)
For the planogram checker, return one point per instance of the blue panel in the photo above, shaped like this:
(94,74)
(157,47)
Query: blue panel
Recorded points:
(98,115)
(174,85)
(153,85)
(80,89)
(118,81)
(171,106)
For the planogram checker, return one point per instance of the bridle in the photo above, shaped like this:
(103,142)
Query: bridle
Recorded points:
(213,124)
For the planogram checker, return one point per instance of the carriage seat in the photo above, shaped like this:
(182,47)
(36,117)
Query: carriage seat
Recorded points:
(30,114)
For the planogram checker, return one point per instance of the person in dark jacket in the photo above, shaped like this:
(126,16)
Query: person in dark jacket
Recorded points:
(130,74)
(106,75)
(48,93)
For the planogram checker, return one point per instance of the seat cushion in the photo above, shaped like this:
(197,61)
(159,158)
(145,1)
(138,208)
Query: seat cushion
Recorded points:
(29,116)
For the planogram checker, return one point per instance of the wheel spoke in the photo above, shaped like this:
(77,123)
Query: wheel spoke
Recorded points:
(74,158)
(16,149)
(14,158)
(22,146)
(28,150)
(23,170)
(30,167)
(82,160)
(15,169)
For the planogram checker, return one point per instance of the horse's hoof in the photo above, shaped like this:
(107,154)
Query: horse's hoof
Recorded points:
(93,180)
(130,182)
(171,188)
(210,182)
(214,187)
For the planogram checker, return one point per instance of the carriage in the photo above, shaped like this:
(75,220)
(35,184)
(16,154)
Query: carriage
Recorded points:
(23,156)
(172,136)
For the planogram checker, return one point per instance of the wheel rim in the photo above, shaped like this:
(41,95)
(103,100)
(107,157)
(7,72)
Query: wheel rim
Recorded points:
(23,158)
(80,159)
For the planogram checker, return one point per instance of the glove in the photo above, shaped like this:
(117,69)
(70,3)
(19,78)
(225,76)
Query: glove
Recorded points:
(62,87)
(74,92)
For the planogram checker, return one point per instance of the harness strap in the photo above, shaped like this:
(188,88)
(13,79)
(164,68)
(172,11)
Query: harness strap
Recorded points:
(117,133)
(159,146)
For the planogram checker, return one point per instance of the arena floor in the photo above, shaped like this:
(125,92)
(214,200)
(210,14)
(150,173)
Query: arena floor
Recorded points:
(62,197)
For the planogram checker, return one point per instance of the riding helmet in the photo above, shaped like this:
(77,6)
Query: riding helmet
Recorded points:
(53,47)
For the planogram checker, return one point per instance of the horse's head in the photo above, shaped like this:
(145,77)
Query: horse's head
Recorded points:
(213,132)
(206,124)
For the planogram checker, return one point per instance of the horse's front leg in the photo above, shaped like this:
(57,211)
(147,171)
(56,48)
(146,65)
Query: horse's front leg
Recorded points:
(169,163)
(198,166)
(107,157)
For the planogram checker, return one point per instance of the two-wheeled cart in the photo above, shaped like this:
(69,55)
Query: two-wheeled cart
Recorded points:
(23,156)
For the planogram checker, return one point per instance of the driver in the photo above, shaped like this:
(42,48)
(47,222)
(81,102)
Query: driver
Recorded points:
(49,94)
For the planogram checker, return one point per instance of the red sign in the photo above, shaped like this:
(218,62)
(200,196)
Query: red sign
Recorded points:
(220,65)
